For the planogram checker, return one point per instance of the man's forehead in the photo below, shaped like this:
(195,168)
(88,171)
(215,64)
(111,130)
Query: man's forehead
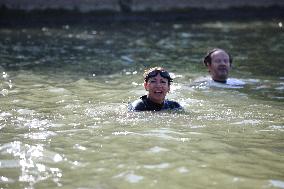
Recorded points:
(219,53)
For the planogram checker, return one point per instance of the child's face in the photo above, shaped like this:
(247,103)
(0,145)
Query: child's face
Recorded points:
(157,88)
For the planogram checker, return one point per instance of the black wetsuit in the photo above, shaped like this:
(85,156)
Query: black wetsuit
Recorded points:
(145,104)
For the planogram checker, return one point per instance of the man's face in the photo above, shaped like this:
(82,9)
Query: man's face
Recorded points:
(157,88)
(220,65)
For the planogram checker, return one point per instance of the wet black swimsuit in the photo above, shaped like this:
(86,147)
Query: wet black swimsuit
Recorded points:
(145,104)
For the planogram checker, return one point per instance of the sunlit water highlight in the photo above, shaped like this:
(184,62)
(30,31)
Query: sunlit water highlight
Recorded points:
(64,121)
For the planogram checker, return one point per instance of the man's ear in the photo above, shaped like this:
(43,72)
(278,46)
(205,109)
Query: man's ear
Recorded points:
(146,86)
(208,67)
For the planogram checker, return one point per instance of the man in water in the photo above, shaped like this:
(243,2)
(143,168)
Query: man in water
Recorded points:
(157,82)
(219,64)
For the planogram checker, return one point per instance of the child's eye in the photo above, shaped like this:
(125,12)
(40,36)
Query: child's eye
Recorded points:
(164,82)
(152,81)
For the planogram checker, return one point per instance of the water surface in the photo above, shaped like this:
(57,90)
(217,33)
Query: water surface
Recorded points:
(64,95)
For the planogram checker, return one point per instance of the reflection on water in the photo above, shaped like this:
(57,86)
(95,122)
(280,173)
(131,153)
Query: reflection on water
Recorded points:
(64,94)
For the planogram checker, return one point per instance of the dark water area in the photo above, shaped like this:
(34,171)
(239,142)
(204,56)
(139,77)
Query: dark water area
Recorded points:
(259,43)
(55,17)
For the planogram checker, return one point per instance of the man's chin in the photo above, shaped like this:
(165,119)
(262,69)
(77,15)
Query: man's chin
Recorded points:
(223,76)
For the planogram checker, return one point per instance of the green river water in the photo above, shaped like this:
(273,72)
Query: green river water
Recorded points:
(64,122)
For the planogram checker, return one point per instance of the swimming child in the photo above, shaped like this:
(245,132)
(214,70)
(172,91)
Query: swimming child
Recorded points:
(157,82)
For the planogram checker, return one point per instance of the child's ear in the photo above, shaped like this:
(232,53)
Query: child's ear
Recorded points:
(169,88)
(146,86)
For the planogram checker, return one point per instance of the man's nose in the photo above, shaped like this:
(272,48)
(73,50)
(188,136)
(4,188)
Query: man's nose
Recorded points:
(222,62)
